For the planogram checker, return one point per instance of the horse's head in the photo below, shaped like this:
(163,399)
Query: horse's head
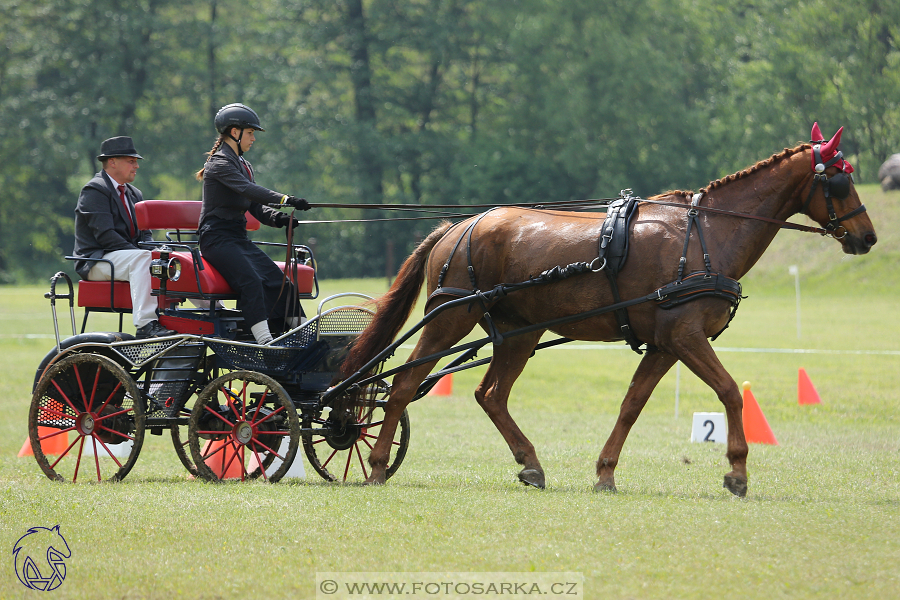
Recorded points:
(832,200)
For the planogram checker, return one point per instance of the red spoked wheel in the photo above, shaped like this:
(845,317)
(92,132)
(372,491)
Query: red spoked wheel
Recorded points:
(240,424)
(86,421)
(337,446)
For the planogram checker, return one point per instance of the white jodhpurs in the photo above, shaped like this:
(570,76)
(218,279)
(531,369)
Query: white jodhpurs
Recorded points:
(132,266)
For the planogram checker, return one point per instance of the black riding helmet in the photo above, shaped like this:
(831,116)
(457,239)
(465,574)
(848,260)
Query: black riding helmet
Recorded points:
(237,115)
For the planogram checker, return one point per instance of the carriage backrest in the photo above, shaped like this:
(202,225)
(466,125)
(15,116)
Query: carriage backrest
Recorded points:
(175,215)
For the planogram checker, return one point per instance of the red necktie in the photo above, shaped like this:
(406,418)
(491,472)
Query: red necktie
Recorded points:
(247,168)
(127,209)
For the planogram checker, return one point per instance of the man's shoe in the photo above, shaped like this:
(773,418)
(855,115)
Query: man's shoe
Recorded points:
(153,329)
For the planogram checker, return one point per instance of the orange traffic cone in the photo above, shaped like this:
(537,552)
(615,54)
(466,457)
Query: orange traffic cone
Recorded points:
(224,462)
(756,428)
(49,445)
(444,386)
(806,391)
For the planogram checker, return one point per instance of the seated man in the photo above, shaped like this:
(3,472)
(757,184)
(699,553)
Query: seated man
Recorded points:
(105,227)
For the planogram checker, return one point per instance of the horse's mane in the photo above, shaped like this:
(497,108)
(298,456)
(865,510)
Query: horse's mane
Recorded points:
(775,158)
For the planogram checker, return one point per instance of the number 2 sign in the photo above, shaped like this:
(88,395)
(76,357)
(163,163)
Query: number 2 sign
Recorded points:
(709,427)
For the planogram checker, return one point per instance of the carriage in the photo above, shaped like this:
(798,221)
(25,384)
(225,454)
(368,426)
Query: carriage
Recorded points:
(517,272)
(233,408)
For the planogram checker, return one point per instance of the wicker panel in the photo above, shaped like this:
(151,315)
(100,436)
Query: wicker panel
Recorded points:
(266,359)
(171,376)
(138,353)
(303,337)
(344,321)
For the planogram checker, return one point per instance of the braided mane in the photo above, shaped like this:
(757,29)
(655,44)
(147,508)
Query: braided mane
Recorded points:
(775,158)
(786,153)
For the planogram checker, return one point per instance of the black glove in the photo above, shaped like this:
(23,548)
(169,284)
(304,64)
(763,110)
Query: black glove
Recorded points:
(298,203)
(283,219)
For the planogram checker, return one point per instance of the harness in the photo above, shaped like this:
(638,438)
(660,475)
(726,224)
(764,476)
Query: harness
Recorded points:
(612,254)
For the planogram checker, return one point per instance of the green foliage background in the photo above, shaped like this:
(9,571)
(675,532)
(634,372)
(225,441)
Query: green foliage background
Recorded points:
(427,101)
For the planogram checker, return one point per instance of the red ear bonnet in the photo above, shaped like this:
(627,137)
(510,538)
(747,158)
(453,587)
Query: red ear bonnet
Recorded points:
(816,134)
(828,150)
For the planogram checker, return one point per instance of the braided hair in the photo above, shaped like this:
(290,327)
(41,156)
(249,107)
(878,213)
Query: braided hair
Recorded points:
(216,146)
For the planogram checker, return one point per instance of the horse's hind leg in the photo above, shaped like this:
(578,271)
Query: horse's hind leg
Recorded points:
(492,395)
(438,335)
(702,360)
(653,366)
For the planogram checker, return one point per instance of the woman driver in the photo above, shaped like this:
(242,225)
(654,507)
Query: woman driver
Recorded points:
(228,192)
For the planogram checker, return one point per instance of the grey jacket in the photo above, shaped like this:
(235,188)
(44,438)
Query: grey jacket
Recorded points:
(229,192)
(101,223)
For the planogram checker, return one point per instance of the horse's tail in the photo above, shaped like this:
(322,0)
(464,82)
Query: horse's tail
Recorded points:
(394,307)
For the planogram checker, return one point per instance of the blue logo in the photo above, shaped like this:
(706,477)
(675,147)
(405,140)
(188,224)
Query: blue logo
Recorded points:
(39,557)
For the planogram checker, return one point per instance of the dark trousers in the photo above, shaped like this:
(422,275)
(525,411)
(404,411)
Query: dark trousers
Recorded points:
(250,272)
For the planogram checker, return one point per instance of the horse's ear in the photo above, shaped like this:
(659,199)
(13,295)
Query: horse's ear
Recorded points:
(830,148)
(816,134)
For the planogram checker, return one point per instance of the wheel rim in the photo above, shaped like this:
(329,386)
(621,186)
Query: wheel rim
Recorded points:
(237,426)
(180,441)
(338,452)
(179,430)
(92,399)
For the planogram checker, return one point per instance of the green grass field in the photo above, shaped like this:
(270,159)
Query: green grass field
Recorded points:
(821,518)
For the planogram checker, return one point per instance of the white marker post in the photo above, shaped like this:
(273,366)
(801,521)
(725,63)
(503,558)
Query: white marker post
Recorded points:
(793,270)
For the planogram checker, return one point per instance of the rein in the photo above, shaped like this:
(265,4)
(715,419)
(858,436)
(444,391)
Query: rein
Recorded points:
(590,203)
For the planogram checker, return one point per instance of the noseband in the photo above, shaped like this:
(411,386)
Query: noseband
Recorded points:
(836,186)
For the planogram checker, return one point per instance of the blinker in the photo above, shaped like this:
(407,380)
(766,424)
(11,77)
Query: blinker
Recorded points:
(839,186)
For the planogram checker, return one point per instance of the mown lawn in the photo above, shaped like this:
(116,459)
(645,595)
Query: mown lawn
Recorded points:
(821,518)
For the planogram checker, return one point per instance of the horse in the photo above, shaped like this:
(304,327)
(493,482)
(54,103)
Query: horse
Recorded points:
(738,216)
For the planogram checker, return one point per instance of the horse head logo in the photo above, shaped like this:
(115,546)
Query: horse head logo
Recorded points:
(39,558)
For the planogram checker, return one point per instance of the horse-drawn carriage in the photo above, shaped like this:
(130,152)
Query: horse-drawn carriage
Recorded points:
(232,407)
(517,272)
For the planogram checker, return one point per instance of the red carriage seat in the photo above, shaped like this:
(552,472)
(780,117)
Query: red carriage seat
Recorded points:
(180,218)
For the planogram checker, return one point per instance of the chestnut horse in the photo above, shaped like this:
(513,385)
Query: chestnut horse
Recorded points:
(511,245)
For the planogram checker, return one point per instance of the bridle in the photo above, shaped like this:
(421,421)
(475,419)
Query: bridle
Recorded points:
(836,186)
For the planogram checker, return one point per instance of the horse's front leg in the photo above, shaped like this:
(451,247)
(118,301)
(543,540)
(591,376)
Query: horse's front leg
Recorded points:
(438,335)
(653,366)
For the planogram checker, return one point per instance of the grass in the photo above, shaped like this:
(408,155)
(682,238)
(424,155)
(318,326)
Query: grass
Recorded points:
(821,519)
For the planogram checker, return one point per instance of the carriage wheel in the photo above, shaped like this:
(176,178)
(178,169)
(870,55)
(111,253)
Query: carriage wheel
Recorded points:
(95,400)
(338,450)
(239,422)
(180,441)
(179,431)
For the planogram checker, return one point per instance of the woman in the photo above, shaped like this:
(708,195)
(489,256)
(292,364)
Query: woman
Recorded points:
(228,192)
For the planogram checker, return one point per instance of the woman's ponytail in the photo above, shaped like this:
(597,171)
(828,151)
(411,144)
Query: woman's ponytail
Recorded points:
(209,154)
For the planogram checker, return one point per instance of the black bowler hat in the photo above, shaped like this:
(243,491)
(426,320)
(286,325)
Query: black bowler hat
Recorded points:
(118,146)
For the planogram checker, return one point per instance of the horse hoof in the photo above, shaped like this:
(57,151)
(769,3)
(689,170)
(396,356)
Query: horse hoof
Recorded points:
(605,487)
(372,480)
(532,477)
(736,486)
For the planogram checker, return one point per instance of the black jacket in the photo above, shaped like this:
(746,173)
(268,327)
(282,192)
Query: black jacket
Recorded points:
(101,223)
(229,192)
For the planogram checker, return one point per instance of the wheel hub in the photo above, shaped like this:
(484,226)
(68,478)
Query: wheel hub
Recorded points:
(86,423)
(243,433)
(342,437)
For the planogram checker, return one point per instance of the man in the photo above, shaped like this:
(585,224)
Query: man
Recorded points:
(106,227)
